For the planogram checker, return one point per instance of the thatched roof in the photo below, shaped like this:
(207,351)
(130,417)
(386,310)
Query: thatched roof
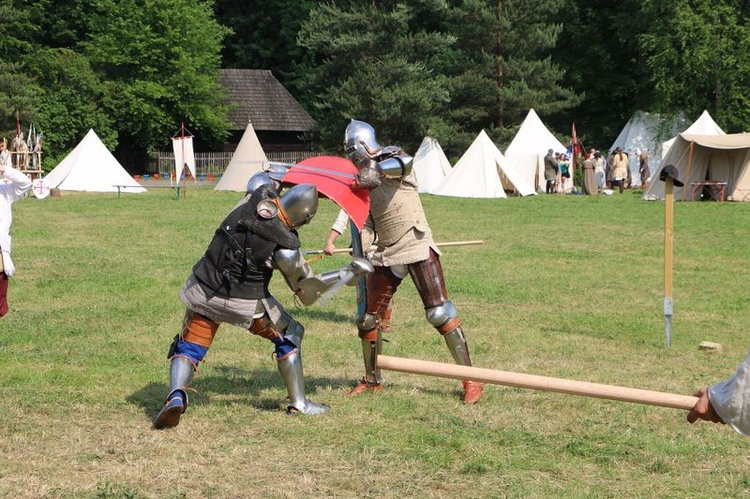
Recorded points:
(256,95)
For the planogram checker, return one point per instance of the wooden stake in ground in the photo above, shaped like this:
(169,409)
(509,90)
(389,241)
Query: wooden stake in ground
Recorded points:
(669,176)
(611,392)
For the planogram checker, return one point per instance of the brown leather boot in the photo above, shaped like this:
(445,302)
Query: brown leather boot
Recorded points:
(472,391)
(364,386)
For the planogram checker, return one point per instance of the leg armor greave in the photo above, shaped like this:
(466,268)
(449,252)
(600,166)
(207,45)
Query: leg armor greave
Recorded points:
(290,368)
(370,351)
(181,371)
(459,349)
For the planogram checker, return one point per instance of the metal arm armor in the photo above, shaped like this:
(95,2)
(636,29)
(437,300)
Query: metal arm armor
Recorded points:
(312,288)
(292,264)
(396,166)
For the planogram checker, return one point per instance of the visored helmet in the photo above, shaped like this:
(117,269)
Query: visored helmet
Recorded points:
(298,205)
(360,141)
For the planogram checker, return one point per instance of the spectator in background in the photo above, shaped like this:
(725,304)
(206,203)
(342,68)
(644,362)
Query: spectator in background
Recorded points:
(589,180)
(550,171)
(619,170)
(13,186)
(726,402)
(643,169)
(564,166)
(600,170)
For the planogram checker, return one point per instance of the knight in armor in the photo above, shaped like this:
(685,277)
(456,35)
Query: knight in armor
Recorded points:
(230,284)
(404,246)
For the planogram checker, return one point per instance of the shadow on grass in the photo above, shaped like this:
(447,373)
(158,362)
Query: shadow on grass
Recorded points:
(232,385)
(303,314)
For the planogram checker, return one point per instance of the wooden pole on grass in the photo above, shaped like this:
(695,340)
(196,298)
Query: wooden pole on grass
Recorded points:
(668,251)
(561,385)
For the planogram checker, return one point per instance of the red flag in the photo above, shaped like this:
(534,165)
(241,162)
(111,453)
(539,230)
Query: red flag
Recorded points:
(576,148)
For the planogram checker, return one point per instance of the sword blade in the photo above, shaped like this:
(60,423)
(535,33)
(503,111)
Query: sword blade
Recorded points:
(315,169)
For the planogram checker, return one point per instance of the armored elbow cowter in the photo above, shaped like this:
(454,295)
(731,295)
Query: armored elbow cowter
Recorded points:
(292,265)
(396,166)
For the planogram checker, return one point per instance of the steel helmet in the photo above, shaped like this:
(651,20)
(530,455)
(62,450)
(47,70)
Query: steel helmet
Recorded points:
(299,204)
(359,140)
(257,179)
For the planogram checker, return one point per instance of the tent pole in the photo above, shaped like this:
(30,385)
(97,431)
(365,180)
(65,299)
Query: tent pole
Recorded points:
(687,175)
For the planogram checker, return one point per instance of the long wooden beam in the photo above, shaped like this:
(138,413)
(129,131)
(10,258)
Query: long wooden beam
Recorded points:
(519,380)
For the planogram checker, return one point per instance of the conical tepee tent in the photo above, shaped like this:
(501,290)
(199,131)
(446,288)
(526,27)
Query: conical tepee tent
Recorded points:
(91,167)
(430,165)
(480,173)
(526,152)
(249,158)
(704,125)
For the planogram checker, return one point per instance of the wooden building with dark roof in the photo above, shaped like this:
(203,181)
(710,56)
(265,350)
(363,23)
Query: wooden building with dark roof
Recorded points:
(279,121)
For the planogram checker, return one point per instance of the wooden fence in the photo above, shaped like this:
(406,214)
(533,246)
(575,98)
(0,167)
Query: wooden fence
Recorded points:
(215,163)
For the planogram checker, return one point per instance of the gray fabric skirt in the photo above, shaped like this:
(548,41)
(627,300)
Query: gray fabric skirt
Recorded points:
(237,311)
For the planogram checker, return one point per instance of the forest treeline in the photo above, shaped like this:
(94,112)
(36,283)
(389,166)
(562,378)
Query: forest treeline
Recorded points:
(133,70)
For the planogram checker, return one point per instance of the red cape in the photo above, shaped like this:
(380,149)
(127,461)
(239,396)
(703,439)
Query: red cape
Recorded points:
(334,178)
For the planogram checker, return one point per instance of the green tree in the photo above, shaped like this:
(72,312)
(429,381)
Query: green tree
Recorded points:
(369,64)
(133,70)
(501,65)
(474,64)
(159,63)
(18,92)
(698,57)
(600,53)
(71,95)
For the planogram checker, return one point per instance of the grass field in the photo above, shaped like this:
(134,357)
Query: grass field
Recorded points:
(564,286)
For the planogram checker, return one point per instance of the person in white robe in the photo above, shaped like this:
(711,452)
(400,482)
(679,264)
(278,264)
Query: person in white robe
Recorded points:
(13,186)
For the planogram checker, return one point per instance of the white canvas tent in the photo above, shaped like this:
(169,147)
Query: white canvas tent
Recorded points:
(431,166)
(91,167)
(704,125)
(482,172)
(526,152)
(721,158)
(249,158)
(646,132)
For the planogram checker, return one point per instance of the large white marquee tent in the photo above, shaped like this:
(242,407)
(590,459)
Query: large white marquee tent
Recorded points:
(701,158)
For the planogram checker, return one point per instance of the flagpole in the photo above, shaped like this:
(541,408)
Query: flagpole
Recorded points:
(182,167)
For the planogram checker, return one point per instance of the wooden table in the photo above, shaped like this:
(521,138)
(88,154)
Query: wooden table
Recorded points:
(713,188)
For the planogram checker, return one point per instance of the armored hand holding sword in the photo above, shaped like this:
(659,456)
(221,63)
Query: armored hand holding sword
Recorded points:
(230,284)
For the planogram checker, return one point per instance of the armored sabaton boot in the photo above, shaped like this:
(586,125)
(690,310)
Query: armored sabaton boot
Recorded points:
(456,341)
(373,381)
(181,372)
(290,368)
